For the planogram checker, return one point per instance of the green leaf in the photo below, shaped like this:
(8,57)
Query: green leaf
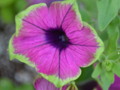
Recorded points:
(88,10)
(20,5)
(7,14)
(85,15)
(114,56)
(85,75)
(96,71)
(113,35)
(107,65)
(90,6)
(6,84)
(25,87)
(104,35)
(110,76)
(4,3)
(107,78)
(116,68)
(107,11)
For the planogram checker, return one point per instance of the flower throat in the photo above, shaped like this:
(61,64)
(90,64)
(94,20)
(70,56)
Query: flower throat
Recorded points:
(57,38)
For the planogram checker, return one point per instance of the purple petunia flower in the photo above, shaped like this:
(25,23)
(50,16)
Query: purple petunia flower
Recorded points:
(55,40)
(43,84)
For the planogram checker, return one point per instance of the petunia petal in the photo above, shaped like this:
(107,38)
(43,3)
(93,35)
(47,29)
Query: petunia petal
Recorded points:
(39,52)
(67,68)
(86,45)
(40,18)
(79,55)
(14,55)
(67,14)
(83,36)
(43,84)
(49,62)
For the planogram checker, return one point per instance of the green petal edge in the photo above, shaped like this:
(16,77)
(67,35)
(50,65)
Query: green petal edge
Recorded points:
(101,44)
(17,56)
(59,82)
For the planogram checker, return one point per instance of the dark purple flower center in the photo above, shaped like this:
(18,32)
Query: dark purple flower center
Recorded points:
(57,38)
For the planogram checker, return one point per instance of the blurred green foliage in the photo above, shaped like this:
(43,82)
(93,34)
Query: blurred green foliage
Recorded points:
(6,84)
(107,11)
(5,3)
(88,10)
(9,8)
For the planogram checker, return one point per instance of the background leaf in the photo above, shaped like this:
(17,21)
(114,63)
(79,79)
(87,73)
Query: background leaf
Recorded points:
(4,3)
(88,10)
(107,11)
(85,75)
(6,84)
(19,3)
(106,80)
(116,68)
(96,71)
(113,35)
(7,14)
